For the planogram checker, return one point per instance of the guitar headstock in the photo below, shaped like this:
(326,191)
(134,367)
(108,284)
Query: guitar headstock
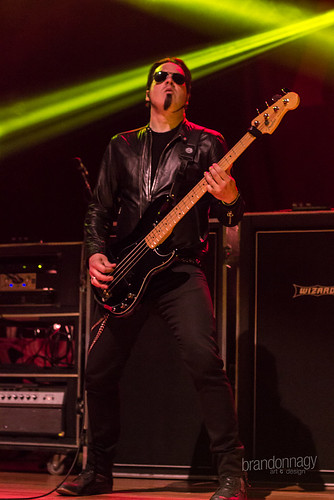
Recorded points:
(267,121)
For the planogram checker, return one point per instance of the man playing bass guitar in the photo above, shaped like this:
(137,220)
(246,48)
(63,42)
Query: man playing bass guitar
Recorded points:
(140,167)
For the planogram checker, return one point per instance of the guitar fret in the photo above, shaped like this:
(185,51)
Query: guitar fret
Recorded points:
(236,151)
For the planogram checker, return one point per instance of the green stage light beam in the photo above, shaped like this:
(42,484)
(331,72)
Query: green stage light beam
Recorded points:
(212,59)
(202,17)
(35,120)
(245,13)
(28,122)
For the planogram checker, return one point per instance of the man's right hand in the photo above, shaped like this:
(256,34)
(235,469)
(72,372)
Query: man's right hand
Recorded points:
(100,270)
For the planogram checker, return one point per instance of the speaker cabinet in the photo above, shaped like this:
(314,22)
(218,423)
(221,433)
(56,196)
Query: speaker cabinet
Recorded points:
(286,345)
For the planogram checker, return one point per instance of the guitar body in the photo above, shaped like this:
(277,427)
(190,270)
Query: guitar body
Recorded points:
(136,263)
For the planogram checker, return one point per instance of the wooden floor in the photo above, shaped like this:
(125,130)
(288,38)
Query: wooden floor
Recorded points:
(31,484)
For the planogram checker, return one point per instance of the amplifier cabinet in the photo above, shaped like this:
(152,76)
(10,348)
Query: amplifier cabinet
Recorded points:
(285,365)
(32,412)
(40,277)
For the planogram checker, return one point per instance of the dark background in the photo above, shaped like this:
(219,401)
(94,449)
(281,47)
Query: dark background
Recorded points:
(51,44)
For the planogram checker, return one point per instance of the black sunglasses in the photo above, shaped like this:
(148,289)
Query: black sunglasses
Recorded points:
(160,76)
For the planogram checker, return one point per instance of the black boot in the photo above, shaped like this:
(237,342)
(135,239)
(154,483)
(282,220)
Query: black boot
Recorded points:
(231,488)
(87,483)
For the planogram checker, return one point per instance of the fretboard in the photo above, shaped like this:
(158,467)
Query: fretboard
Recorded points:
(164,228)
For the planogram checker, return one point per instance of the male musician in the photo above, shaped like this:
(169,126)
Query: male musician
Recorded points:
(168,156)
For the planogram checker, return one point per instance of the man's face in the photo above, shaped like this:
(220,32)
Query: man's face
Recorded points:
(167,94)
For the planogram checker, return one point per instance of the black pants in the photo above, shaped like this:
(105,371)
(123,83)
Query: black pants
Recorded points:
(181,296)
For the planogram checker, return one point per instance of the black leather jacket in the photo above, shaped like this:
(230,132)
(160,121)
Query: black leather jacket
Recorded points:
(124,190)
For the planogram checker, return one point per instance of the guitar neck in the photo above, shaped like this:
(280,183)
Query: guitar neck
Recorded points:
(234,153)
(164,228)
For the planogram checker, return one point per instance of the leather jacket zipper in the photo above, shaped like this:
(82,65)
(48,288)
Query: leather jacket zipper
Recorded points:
(151,185)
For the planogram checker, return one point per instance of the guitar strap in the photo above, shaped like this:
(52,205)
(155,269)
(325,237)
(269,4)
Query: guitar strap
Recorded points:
(187,156)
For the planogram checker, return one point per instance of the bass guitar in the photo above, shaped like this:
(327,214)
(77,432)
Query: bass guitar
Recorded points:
(141,255)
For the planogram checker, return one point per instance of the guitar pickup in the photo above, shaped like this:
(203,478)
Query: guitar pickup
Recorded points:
(105,295)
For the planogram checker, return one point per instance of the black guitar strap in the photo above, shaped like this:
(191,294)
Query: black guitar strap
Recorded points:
(187,156)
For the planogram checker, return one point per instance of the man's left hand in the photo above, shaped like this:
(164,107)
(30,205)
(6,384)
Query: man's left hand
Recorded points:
(220,184)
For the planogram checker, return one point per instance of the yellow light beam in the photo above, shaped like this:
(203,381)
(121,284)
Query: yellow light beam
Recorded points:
(220,54)
(216,15)
(203,17)
(34,120)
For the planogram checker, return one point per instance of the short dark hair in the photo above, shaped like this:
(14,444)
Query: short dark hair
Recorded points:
(174,60)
